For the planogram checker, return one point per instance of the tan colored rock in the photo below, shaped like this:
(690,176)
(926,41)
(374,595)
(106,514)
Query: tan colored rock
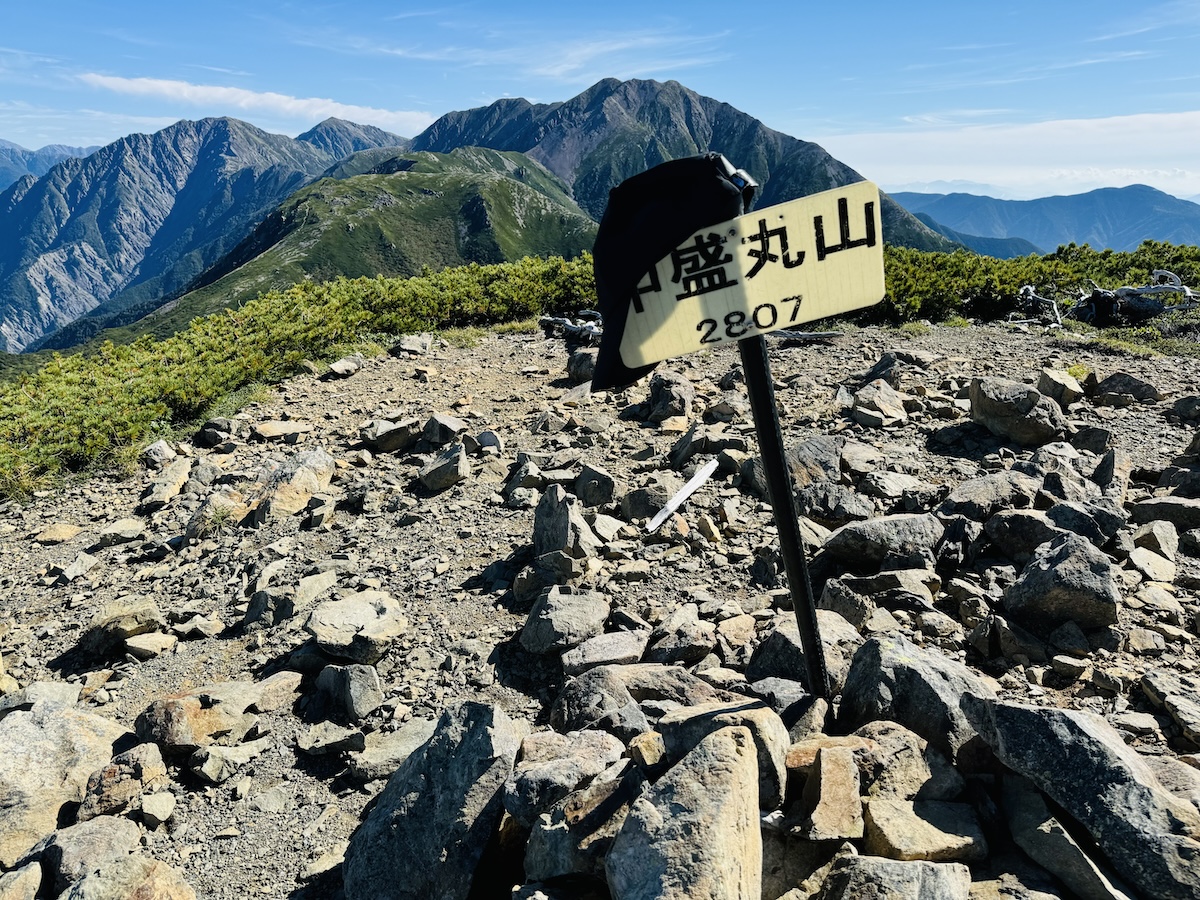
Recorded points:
(57,533)
(831,796)
(931,830)
(131,877)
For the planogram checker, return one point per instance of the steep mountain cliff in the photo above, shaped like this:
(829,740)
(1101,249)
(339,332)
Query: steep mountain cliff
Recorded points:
(616,129)
(142,217)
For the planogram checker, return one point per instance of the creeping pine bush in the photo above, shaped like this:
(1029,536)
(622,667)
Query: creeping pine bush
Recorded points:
(937,286)
(77,411)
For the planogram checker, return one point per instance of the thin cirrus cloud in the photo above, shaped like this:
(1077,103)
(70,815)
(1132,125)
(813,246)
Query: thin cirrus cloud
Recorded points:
(300,109)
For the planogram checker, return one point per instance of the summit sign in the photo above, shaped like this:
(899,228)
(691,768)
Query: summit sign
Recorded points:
(773,268)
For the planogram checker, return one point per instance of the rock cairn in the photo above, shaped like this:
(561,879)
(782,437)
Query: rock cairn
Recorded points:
(402,631)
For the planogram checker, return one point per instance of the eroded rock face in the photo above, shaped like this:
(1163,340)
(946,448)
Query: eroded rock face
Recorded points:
(438,811)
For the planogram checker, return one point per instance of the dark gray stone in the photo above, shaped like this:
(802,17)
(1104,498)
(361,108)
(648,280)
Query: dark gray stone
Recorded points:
(891,678)
(1067,579)
(1081,762)
(868,543)
(1015,411)
(437,813)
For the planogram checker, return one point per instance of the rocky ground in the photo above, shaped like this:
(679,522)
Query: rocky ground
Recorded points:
(431,563)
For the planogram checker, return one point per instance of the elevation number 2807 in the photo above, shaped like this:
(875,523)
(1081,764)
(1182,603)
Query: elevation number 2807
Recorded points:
(739,323)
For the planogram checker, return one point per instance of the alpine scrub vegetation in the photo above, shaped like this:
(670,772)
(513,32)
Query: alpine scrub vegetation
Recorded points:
(86,411)
(82,412)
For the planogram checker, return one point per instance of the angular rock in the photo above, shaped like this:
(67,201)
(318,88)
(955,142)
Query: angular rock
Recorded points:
(1036,831)
(1067,579)
(437,813)
(386,751)
(879,406)
(575,836)
(671,395)
(891,678)
(384,436)
(359,628)
(552,765)
(780,654)
(682,638)
(932,830)
(118,787)
(866,543)
(353,692)
(1060,386)
(446,469)
(166,486)
(872,878)
(981,498)
(695,833)
(131,877)
(216,764)
(49,752)
(607,697)
(614,648)
(563,617)
(831,797)
(902,765)
(1177,698)
(1182,512)
(119,620)
(1016,411)
(441,429)
(69,853)
(289,488)
(558,524)
(1150,836)
(682,729)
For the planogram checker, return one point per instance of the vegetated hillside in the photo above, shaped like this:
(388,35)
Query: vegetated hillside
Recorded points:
(1001,248)
(1116,218)
(409,213)
(616,129)
(140,218)
(16,162)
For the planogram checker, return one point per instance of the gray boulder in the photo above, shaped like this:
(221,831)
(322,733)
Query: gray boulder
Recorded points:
(1081,762)
(867,543)
(874,878)
(437,813)
(682,729)
(359,628)
(563,617)
(446,469)
(49,752)
(1067,579)
(892,678)
(1015,411)
(608,697)
(67,854)
(552,765)
(558,524)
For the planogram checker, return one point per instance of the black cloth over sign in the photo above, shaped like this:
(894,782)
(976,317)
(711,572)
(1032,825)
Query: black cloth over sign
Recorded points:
(647,217)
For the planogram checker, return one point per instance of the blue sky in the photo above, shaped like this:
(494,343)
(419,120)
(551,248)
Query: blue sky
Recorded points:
(1026,98)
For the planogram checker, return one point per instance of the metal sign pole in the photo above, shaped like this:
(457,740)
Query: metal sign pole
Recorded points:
(782,496)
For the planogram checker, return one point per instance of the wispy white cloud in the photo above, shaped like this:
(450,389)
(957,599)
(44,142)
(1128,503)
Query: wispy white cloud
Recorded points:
(227,99)
(566,60)
(1036,159)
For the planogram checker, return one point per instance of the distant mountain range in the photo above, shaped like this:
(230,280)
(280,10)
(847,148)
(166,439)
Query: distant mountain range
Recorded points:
(1120,218)
(16,161)
(139,219)
(150,219)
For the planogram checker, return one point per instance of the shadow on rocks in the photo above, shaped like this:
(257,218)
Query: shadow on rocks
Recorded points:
(531,674)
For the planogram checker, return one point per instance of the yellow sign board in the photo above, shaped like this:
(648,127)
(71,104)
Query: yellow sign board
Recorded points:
(774,268)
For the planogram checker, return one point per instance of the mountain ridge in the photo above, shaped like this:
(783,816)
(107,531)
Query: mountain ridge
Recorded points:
(140,217)
(1120,218)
